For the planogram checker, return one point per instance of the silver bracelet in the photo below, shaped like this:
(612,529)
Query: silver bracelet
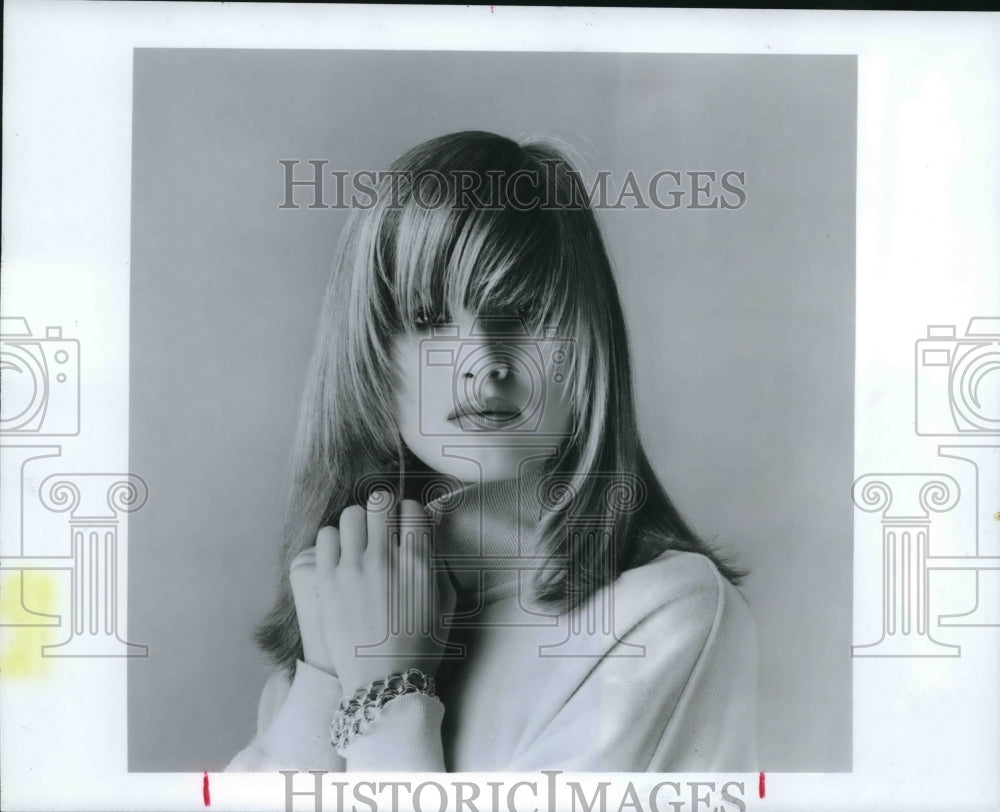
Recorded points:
(357,713)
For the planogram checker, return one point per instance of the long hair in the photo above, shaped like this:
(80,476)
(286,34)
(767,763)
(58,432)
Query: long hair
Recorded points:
(480,221)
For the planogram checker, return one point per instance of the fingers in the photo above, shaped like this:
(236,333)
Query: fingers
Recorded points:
(306,558)
(353,535)
(303,566)
(373,532)
(415,567)
(327,553)
(414,526)
(302,575)
(391,526)
(379,509)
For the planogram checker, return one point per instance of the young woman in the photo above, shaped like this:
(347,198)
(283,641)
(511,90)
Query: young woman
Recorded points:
(481,569)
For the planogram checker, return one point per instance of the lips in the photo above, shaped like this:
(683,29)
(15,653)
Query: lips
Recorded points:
(491,409)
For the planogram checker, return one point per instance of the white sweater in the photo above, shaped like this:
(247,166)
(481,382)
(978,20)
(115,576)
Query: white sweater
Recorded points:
(673,688)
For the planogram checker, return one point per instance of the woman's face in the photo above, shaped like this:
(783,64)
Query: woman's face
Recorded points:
(478,398)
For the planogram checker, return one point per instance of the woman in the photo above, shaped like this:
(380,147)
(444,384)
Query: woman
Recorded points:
(481,569)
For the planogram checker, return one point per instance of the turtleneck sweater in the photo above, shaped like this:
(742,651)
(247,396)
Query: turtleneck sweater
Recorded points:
(486,532)
(655,672)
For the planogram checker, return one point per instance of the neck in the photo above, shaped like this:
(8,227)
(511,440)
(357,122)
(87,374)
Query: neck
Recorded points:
(486,530)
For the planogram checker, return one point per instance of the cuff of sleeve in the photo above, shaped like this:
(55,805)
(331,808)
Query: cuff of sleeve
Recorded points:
(300,731)
(406,736)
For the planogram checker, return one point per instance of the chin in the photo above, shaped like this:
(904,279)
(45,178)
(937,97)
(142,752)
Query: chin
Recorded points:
(479,464)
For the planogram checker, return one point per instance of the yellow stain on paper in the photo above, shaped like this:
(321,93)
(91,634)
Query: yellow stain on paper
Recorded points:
(26,597)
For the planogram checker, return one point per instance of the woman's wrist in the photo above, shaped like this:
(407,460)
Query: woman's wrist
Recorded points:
(359,711)
(362,672)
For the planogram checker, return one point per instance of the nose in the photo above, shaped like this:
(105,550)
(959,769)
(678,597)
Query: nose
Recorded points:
(486,363)
(496,370)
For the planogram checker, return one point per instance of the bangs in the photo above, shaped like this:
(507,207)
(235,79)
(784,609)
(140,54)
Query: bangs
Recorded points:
(491,262)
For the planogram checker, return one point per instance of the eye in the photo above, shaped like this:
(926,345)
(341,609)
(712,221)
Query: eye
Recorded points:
(423,319)
(511,312)
(527,315)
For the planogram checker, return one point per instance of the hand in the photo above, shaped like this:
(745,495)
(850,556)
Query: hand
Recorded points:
(381,599)
(305,591)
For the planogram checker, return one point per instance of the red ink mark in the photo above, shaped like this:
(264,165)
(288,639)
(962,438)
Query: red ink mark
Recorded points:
(206,797)
(760,785)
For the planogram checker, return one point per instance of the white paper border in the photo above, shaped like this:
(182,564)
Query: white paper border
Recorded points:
(927,253)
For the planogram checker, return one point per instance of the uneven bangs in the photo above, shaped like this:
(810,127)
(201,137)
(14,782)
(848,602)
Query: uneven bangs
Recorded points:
(488,261)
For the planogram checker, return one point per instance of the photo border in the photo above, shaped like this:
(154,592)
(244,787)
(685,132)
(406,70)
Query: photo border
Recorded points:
(928,125)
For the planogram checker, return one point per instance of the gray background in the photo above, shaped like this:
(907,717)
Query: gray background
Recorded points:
(742,328)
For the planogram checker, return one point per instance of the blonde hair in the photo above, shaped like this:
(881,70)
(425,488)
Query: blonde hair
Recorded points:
(537,252)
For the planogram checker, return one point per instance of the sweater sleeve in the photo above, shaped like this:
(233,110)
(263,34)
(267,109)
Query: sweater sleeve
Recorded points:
(406,737)
(687,703)
(293,724)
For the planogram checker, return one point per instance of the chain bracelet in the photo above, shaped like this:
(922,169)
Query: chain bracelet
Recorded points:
(357,712)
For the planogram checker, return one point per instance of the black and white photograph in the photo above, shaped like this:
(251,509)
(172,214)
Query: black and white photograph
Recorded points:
(595,380)
(547,414)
